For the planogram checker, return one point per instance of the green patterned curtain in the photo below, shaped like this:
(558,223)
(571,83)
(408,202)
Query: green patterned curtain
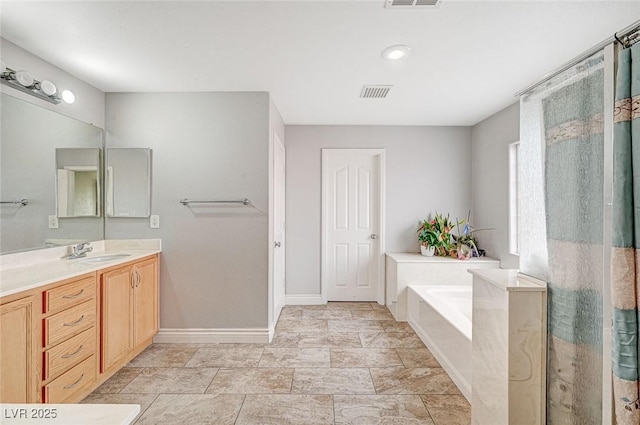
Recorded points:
(561,208)
(625,257)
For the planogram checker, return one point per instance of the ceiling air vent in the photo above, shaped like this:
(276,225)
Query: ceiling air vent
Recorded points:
(409,4)
(375,92)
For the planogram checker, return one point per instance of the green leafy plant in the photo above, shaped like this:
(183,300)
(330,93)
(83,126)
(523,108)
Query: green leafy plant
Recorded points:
(436,232)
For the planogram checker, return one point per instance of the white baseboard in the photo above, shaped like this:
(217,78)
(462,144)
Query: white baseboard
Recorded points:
(310,299)
(214,336)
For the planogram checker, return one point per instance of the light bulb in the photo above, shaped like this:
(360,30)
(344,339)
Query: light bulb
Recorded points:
(48,87)
(24,78)
(68,96)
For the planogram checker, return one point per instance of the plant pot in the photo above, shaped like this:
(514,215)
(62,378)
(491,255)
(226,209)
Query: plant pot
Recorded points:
(427,251)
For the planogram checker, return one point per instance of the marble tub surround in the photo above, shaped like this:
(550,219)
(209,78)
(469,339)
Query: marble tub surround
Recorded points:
(509,348)
(311,373)
(405,268)
(32,269)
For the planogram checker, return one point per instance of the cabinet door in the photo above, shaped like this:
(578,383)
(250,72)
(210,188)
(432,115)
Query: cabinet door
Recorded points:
(117,315)
(145,323)
(19,347)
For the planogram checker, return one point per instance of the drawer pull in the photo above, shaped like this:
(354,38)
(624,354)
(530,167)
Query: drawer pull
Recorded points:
(74,323)
(69,297)
(75,353)
(66,387)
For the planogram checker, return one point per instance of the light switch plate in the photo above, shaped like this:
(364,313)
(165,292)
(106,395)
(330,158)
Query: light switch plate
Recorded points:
(53,222)
(154,221)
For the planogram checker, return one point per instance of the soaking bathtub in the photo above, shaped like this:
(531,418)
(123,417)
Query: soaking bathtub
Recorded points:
(441,316)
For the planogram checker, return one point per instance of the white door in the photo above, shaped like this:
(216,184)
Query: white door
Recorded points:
(278,226)
(352,205)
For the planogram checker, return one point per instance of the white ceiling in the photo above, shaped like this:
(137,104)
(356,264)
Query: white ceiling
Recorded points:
(467,60)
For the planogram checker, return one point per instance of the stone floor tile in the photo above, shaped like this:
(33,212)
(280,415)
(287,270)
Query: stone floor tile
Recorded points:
(304,325)
(295,357)
(326,314)
(221,356)
(349,305)
(391,340)
(201,409)
(286,410)
(417,357)
(159,355)
(284,340)
(393,326)
(380,409)
(329,340)
(369,326)
(365,357)
(252,381)
(332,381)
(377,314)
(448,409)
(174,380)
(118,381)
(412,381)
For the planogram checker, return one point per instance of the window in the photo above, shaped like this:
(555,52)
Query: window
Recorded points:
(514,237)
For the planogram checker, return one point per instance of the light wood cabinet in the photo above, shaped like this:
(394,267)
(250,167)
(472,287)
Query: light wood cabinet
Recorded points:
(60,341)
(129,311)
(69,338)
(19,351)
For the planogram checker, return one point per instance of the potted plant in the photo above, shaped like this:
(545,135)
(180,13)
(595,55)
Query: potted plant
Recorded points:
(435,235)
(466,243)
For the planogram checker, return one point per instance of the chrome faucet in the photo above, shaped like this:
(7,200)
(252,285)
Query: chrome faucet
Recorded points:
(79,251)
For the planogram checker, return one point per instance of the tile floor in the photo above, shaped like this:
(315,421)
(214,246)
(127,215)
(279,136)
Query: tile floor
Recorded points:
(342,364)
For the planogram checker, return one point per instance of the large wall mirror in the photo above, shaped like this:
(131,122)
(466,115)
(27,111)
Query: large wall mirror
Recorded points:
(29,138)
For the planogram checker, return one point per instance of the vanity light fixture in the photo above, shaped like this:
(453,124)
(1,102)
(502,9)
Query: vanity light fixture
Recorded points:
(396,52)
(68,96)
(46,90)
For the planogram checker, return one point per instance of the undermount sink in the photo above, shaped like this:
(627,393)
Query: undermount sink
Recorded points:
(103,258)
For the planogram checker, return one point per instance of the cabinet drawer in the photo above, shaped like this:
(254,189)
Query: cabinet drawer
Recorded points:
(70,294)
(75,379)
(66,323)
(69,353)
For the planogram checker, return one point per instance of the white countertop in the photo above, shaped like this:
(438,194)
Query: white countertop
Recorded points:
(412,257)
(509,280)
(68,414)
(28,270)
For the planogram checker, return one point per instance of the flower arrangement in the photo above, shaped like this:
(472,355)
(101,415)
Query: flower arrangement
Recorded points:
(467,244)
(437,233)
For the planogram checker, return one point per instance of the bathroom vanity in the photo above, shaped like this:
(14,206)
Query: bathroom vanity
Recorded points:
(66,326)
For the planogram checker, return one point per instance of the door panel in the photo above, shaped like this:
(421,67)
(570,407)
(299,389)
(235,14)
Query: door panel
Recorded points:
(351,202)
(279,173)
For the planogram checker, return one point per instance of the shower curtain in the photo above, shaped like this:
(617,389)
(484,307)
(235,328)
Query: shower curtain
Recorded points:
(625,255)
(561,216)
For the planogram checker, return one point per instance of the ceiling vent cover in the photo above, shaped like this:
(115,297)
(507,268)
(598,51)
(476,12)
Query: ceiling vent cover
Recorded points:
(375,92)
(409,4)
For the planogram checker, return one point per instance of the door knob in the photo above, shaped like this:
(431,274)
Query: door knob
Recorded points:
(374,236)
(277,244)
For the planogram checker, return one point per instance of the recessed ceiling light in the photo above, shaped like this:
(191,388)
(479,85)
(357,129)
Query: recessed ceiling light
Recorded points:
(396,52)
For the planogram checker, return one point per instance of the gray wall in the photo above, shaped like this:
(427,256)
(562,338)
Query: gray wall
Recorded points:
(427,170)
(205,146)
(490,181)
